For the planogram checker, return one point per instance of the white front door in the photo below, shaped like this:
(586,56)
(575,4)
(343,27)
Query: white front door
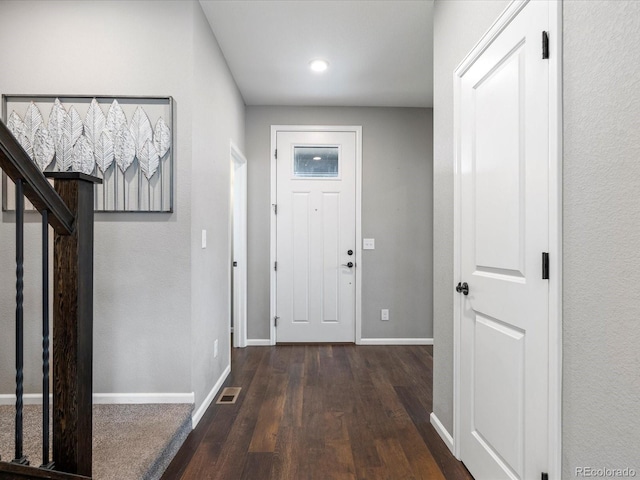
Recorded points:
(316,236)
(504,230)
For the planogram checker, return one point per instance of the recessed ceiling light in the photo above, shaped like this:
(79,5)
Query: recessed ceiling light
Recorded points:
(317,158)
(318,65)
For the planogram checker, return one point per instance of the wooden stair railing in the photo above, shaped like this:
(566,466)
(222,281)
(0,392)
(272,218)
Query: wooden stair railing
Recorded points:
(68,208)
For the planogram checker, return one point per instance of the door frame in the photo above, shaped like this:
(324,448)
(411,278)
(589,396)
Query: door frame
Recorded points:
(357,129)
(239,245)
(555,224)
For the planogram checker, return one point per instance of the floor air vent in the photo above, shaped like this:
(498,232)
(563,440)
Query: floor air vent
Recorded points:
(229,395)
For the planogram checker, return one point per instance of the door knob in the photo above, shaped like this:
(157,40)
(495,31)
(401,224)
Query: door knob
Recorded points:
(463,287)
(349,252)
(348,265)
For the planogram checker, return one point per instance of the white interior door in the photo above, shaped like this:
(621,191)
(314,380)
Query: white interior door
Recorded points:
(316,236)
(504,230)
(239,271)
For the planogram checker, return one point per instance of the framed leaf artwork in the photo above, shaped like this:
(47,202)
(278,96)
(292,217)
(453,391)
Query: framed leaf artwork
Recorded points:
(127,141)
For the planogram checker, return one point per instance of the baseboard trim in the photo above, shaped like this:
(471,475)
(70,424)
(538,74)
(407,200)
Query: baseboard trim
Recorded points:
(258,342)
(396,341)
(199,413)
(28,399)
(110,398)
(444,434)
(142,398)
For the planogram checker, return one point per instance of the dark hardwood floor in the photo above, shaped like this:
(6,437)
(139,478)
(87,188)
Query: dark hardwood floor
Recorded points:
(321,412)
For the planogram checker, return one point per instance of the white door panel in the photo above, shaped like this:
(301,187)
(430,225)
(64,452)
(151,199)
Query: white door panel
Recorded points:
(504,230)
(239,270)
(315,297)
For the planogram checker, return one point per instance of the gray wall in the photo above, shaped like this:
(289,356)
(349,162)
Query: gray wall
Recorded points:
(160,300)
(396,211)
(601,364)
(601,384)
(218,118)
(458,25)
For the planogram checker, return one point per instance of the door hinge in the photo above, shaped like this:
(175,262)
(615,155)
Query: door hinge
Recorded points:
(275,321)
(275,266)
(545,45)
(545,266)
(276,154)
(275,209)
(544,476)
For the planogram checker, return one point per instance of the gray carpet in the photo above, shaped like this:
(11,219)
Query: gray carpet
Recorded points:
(130,442)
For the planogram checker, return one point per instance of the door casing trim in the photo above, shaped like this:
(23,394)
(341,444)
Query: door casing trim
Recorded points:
(555,224)
(357,129)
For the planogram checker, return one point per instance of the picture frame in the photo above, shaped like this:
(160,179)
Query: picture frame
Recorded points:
(78,132)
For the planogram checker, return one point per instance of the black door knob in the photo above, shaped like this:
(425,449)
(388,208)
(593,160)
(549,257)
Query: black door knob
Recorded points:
(349,252)
(463,287)
(348,265)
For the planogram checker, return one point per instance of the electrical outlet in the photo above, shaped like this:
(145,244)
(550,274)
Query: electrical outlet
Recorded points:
(384,314)
(215,349)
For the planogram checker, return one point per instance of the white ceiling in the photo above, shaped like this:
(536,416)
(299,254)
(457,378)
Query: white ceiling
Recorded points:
(380,52)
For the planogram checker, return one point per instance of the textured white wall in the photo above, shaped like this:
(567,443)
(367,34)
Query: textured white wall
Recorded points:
(153,331)
(458,25)
(601,383)
(396,211)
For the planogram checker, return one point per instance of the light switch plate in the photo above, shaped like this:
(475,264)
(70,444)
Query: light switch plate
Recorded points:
(204,239)
(368,243)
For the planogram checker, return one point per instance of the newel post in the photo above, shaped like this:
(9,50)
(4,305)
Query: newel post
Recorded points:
(73,327)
